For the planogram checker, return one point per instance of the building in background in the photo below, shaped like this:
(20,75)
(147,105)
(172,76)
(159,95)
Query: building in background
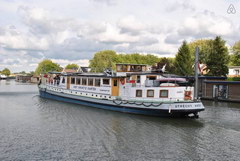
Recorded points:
(23,78)
(234,71)
(221,90)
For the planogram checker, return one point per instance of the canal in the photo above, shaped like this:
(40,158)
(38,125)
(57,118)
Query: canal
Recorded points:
(32,128)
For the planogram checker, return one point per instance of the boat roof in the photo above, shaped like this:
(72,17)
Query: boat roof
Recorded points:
(172,79)
(88,74)
(223,82)
(143,73)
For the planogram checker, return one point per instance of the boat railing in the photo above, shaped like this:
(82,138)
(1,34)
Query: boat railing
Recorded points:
(137,85)
(54,83)
(175,99)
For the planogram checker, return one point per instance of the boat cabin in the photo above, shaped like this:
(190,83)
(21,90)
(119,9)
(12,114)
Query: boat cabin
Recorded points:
(130,82)
(131,67)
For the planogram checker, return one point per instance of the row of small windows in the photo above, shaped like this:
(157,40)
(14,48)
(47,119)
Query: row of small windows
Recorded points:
(150,93)
(55,89)
(88,81)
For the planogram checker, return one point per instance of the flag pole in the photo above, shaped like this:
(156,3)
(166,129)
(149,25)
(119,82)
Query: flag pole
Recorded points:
(196,74)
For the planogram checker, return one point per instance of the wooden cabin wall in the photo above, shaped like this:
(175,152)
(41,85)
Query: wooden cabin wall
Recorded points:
(234,91)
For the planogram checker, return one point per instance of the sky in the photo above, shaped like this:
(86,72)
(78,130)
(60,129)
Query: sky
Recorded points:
(71,31)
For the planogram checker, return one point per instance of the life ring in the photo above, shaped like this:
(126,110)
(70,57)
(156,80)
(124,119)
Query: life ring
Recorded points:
(122,80)
(187,95)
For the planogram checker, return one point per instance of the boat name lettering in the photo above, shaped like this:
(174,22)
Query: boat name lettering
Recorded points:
(179,91)
(187,106)
(198,105)
(104,90)
(85,88)
(182,106)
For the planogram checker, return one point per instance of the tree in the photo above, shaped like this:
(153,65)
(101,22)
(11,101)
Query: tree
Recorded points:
(169,62)
(46,66)
(183,62)
(218,58)
(31,72)
(6,72)
(102,60)
(235,58)
(22,72)
(108,59)
(205,46)
(72,66)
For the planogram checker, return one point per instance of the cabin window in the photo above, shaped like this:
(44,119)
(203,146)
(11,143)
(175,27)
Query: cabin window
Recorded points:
(135,68)
(84,81)
(90,81)
(78,81)
(163,94)
(151,77)
(72,80)
(115,83)
(63,79)
(121,68)
(106,81)
(97,82)
(138,79)
(139,93)
(150,93)
(124,68)
(128,79)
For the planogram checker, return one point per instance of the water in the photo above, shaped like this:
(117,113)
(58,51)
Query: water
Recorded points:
(33,128)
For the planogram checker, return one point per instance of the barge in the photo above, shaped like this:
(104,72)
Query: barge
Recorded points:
(133,88)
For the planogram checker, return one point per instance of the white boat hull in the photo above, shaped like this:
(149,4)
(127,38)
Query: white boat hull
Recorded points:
(137,107)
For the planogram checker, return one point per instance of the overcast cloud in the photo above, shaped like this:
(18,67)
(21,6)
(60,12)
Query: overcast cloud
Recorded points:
(72,31)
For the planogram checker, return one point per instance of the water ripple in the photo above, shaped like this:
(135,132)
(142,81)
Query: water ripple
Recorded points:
(33,128)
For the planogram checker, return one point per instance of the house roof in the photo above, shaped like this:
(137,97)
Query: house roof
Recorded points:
(69,71)
(223,82)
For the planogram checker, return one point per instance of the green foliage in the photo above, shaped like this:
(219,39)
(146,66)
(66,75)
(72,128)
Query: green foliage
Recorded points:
(25,73)
(233,78)
(235,58)
(169,64)
(22,72)
(102,60)
(183,62)
(31,73)
(218,58)
(204,45)
(72,66)
(46,66)
(6,72)
(109,59)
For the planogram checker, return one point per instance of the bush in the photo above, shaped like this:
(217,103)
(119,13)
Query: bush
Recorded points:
(233,78)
